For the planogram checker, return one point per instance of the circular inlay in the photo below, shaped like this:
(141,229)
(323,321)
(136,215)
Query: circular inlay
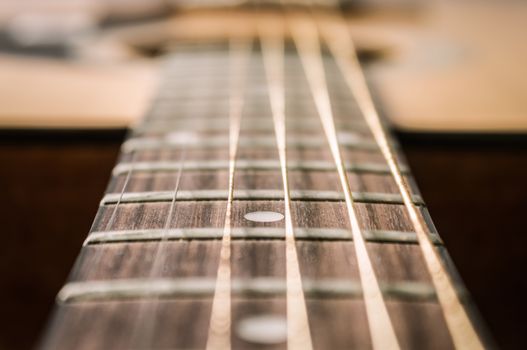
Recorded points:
(181,137)
(263,216)
(263,329)
(348,137)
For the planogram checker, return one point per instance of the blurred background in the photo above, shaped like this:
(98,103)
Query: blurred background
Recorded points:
(450,76)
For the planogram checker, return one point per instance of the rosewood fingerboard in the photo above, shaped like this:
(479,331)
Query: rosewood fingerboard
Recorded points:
(180,255)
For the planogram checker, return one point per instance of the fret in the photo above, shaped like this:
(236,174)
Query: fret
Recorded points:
(247,164)
(257,120)
(216,112)
(189,64)
(197,76)
(252,138)
(255,195)
(244,233)
(192,140)
(262,287)
(298,102)
(352,156)
(204,180)
(215,109)
(167,100)
(300,180)
(161,127)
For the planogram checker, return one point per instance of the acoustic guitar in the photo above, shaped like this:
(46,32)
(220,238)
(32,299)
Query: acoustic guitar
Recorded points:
(263,203)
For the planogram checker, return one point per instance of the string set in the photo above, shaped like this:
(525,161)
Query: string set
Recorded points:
(307,30)
(341,46)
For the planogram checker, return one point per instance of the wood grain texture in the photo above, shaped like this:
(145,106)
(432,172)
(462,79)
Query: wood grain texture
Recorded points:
(151,322)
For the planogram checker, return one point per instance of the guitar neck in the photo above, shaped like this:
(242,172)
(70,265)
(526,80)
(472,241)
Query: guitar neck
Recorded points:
(262,203)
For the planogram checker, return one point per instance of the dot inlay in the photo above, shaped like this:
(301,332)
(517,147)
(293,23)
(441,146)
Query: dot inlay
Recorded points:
(263,329)
(264,216)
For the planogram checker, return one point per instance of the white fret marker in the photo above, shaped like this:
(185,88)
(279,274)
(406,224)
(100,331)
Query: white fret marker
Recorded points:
(264,216)
(264,329)
(348,137)
(181,137)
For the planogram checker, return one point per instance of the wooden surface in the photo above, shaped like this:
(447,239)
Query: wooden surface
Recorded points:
(38,93)
(152,321)
(459,69)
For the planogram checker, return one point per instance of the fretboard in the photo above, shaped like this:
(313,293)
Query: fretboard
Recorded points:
(261,203)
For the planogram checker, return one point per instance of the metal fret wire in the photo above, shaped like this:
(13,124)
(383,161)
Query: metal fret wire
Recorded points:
(340,43)
(306,39)
(219,336)
(298,333)
(247,164)
(255,287)
(241,233)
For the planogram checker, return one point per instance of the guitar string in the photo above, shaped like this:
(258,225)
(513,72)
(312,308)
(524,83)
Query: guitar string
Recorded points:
(123,189)
(305,36)
(113,217)
(449,300)
(219,334)
(141,335)
(98,253)
(339,40)
(147,337)
(132,163)
(298,333)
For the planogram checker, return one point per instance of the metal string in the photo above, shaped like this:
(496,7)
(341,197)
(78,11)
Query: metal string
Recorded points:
(219,336)
(340,43)
(142,337)
(305,35)
(99,252)
(123,189)
(149,321)
(298,333)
